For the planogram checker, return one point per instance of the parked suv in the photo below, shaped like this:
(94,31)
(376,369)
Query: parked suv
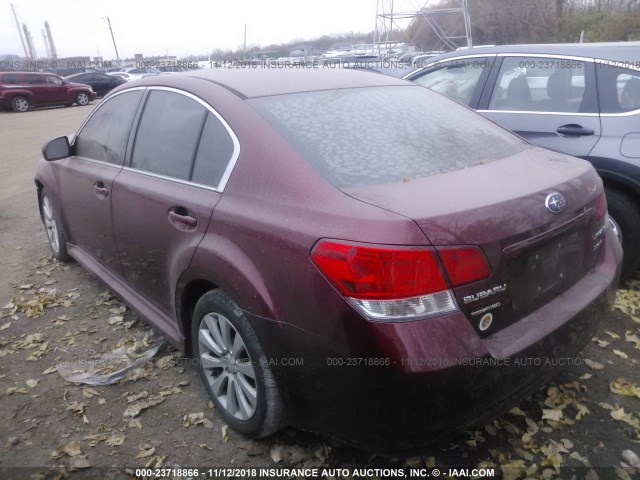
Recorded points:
(578,99)
(22,90)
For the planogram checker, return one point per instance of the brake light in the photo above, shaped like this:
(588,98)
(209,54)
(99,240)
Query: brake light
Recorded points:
(601,205)
(366,272)
(464,264)
(397,283)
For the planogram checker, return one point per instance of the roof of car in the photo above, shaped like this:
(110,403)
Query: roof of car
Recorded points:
(617,51)
(261,82)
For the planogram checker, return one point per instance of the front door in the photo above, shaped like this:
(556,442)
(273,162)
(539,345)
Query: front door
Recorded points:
(550,101)
(86,178)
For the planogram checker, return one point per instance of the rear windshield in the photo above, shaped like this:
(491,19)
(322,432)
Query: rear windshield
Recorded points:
(374,135)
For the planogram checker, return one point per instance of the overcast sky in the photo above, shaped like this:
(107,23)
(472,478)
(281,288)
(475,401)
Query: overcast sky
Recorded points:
(180,28)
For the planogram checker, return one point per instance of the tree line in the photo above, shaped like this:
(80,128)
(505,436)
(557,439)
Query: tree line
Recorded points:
(503,22)
(494,22)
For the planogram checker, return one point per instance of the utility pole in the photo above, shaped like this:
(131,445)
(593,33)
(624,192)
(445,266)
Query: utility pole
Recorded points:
(114,42)
(24,47)
(245,41)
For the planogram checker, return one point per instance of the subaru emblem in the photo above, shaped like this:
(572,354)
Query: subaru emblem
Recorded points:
(555,202)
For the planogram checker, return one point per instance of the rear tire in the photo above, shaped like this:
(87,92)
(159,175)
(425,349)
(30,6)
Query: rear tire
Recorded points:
(20,104)
(234,368)
(55,236)
(626,214)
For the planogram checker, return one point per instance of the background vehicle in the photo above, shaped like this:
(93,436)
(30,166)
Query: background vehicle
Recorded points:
(22,90)
(122,75)
(339,279)
(101,83)
(578,99)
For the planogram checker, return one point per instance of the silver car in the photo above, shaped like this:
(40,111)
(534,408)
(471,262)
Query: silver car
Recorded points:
(578,99)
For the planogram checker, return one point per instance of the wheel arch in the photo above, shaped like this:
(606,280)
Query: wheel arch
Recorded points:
(220,263)
(20,93)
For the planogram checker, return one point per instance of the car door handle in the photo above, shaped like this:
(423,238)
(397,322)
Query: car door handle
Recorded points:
(573,129)
(100,190)
(180,216)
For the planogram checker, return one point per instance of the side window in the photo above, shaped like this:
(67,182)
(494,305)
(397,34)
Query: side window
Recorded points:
(214,152)
(539,85)
(33,79)
(618,89)
(104,137)
(11,79)
(168,134)
(457,80)
(51,80)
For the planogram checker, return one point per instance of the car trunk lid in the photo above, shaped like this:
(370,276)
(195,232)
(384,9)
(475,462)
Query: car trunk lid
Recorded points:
(534,254)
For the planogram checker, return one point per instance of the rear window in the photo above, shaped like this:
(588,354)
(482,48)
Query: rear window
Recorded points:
(11,79)
(374,135)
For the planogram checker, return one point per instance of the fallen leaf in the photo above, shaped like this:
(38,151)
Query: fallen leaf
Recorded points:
(72,449)
(146,451)
(622,387)
(225,434)
(622,416)
(552,414)
(135,423)
(12,390)
(136,408)
(79,462)
(517,412)
(613,335)
(116,439)
(621,354)
(196,419)
(31,383)
(89,392)
(580,458)
(601,343)
(593,365)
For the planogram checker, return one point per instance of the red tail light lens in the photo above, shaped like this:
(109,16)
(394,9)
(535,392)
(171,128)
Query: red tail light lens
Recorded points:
(601,205)
(464,264)
(378,273)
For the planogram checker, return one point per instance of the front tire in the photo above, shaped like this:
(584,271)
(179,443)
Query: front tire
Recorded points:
(625,212)
(234,368)
(55,236)
(82,99)
(20,104)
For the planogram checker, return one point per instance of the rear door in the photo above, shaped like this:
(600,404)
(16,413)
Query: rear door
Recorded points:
(550,101)
(86,178)
(37,86)
(164,198)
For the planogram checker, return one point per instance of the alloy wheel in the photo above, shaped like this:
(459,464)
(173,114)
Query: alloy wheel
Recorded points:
(50,224)
(227,365)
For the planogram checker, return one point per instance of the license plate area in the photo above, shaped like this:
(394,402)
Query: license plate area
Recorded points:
(546,270)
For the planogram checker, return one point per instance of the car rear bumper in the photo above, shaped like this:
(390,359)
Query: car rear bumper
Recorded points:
(393,385)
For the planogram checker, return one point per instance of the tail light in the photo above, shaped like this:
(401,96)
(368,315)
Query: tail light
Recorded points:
(601,205)
(396,283)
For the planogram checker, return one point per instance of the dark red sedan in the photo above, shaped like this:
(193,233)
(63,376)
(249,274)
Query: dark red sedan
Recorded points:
(341,251)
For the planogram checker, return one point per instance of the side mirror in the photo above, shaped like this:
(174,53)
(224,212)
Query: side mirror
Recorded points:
(56,149)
